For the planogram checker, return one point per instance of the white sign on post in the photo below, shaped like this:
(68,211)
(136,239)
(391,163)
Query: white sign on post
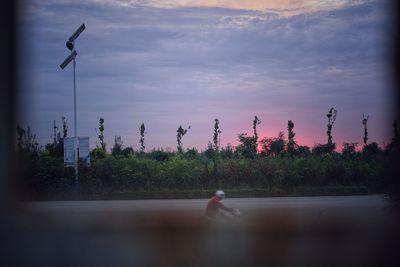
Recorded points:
(69,152)
(83,151)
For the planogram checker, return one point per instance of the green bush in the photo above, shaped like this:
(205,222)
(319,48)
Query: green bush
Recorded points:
(160,170)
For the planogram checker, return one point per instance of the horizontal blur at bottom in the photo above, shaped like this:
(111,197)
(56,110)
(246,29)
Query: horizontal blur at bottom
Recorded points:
(362,236)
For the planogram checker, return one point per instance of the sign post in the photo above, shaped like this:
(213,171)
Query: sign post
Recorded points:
(82,151)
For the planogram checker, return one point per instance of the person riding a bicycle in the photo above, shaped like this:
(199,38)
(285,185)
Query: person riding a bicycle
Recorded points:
(215,207)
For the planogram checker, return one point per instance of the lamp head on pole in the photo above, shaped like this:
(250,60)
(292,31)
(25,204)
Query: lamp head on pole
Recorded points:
(68,59)
(70,45)
(77,33)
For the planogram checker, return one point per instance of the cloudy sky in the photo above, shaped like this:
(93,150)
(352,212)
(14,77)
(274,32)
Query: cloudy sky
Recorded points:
(187,62)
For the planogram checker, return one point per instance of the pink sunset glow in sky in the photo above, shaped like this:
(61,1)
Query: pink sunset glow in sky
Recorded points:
(183,62)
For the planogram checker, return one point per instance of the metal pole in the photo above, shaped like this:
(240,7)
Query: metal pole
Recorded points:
(75,131)
(71,57)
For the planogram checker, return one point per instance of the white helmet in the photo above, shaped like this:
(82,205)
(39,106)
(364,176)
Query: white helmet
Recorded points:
(220,194)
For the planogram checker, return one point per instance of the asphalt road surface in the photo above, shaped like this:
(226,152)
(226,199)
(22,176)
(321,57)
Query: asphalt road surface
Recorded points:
(281,231)
(370,201)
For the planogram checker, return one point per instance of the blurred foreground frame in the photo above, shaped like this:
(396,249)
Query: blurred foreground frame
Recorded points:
(49,234)
(277,237)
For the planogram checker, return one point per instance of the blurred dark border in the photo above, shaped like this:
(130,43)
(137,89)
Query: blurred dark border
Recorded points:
(7,100)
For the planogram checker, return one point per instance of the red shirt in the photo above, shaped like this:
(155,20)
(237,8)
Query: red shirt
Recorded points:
(213,205)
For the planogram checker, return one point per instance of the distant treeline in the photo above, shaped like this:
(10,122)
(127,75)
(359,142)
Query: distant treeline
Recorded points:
(276,164)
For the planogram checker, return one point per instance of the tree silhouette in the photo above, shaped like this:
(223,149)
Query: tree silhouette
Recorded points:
(256,122)
(180,133)
(55,129)
(142,131)
(371,149)
(291,145)
(65,127)
(394,145)
(247,146)
(26,141)
(273,146)
(331,120)
(117,148)
(349,149)
(364,122)
(321,149)
(216,137)
(101,135)
(56,149)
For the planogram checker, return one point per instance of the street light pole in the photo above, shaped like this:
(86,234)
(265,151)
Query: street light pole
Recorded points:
(75,128)
(70,45)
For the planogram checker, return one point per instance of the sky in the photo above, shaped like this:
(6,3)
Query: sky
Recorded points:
(187,62)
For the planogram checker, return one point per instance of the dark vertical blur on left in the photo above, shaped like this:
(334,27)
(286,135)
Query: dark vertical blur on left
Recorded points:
(7,108)
(7,99)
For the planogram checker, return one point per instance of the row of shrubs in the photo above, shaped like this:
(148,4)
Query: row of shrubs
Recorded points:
(160,170)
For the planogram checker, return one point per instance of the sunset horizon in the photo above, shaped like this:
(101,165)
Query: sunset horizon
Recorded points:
(188,62)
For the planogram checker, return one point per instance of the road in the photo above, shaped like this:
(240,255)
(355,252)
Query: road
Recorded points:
(370,201)
(281,231)
(128,214)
